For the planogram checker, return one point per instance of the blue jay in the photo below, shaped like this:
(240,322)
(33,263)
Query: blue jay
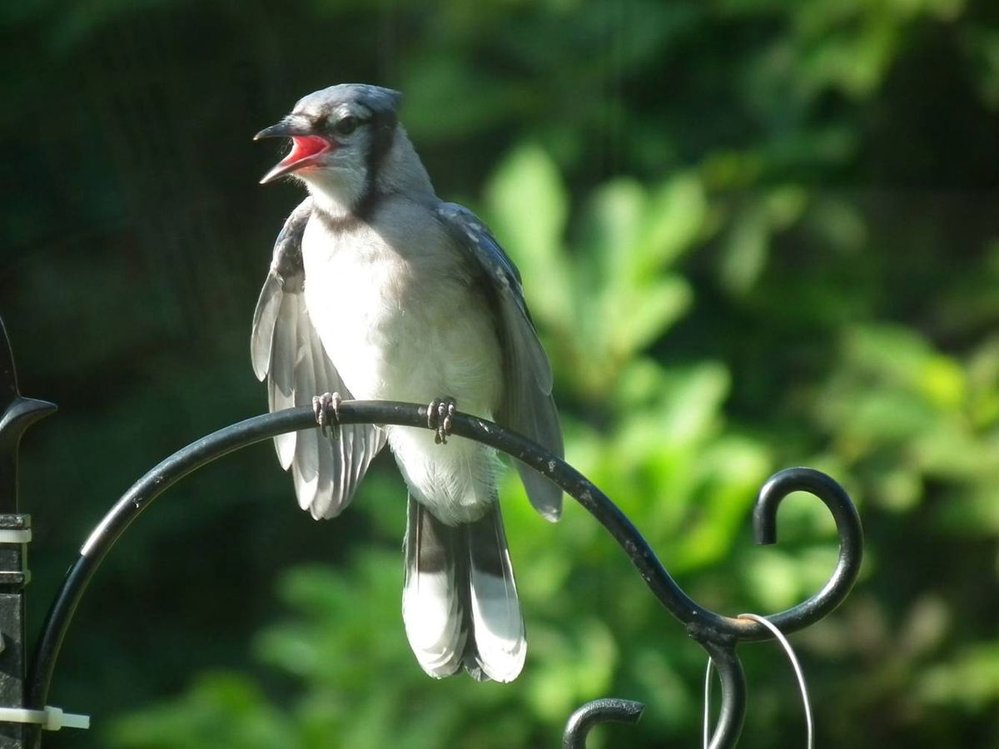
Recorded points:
(379,290)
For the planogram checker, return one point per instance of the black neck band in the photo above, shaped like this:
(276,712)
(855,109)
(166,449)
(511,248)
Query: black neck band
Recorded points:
(383,126)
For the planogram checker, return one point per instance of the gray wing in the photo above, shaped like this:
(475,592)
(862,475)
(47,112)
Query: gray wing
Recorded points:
(528,406)
(286,349)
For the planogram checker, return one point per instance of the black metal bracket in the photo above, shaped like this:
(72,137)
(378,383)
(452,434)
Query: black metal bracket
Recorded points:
(717,634)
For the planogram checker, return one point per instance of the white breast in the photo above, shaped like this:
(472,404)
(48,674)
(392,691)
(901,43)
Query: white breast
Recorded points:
(398,313)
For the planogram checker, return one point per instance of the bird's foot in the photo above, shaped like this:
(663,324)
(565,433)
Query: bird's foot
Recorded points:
(440,417)
(326,408)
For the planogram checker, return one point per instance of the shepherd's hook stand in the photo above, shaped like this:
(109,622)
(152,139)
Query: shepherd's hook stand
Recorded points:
(717,634)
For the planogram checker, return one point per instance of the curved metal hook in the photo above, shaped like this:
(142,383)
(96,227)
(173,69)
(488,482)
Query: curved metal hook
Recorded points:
(720,636)
(598,711)
(848,527)
(706,625)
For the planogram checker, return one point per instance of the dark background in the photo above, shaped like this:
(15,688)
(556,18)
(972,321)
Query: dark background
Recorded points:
(753,234)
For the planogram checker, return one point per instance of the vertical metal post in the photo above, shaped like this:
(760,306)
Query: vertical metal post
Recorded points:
(16,415)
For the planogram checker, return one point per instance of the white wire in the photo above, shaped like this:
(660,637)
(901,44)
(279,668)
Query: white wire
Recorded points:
(799,674)
(707,701)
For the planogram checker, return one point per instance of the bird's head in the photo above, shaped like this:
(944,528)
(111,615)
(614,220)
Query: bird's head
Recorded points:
(341,138)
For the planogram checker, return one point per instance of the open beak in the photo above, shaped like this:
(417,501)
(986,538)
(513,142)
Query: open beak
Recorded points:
(306,146)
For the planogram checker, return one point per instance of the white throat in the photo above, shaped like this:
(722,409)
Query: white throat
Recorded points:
(336,194)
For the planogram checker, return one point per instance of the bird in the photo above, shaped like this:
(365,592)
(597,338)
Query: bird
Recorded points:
(379,290)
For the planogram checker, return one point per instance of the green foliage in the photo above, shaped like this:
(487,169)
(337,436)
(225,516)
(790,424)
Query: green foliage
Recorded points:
(752,233)
(604,302)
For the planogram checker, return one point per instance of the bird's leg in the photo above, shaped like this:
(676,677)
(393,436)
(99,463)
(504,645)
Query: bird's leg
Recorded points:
(326,408)
(440,415)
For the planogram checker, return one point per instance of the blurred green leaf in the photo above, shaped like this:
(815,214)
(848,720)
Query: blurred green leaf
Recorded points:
(223,710)
(528,205)
(971,679)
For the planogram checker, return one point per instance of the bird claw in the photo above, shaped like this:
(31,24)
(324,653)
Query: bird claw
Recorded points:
(326,408)
(440,418)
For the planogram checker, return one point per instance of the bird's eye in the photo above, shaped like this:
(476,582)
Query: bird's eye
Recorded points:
(345,125)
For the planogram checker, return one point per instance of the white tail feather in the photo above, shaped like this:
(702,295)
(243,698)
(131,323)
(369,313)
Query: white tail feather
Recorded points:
(432,614)
(431,597)
(497,623)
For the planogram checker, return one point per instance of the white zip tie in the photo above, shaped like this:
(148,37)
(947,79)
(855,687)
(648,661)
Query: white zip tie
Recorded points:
(50,719)
(799,674)
(15,536)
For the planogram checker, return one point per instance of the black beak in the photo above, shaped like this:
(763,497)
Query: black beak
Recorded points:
(289,126)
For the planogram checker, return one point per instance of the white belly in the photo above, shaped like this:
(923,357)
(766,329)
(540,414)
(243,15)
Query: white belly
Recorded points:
(409,326)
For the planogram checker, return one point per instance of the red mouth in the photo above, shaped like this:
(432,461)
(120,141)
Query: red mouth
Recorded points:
(305,150)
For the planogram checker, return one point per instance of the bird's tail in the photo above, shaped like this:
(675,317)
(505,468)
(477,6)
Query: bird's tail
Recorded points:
(459,601)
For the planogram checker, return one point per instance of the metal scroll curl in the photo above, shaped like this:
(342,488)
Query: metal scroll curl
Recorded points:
(716,633)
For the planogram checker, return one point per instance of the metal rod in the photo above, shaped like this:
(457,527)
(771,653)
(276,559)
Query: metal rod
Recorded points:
(732,713)
(716,633)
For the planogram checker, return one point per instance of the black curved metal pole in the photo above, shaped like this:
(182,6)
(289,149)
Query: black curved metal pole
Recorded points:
(125,511)
(153,484)
(712,630)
